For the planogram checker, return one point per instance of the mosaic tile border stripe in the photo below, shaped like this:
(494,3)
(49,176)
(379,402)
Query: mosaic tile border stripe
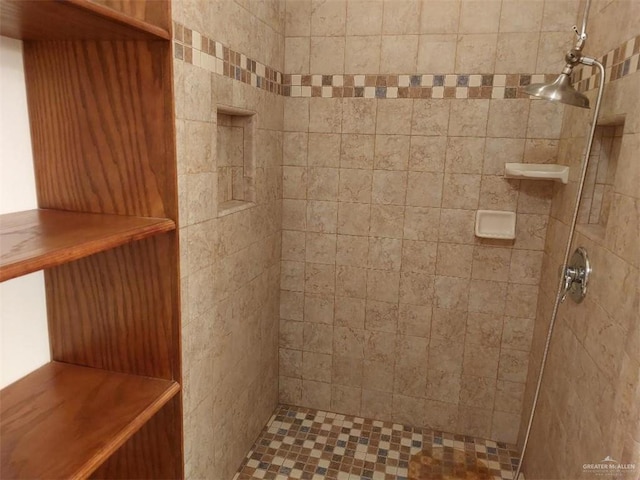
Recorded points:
(410,86)
(619,62)
(194,48)
(309,444)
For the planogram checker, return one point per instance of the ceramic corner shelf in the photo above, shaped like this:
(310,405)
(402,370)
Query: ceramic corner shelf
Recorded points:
(495,224)
(537,171)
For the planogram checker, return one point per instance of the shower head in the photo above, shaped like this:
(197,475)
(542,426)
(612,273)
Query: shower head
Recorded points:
(560,90)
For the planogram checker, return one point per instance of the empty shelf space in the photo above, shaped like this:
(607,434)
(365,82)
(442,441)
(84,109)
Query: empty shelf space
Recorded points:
(63,421)
(73,19)
(38,239)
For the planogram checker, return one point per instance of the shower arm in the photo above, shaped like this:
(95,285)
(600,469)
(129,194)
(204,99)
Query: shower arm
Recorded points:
(574,219)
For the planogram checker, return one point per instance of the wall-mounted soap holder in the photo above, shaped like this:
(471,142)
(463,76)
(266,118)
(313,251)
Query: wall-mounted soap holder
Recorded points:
(537,171)
(495,224)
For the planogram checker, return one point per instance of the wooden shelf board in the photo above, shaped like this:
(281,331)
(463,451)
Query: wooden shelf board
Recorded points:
(72,20)
(64,421)
(38,239)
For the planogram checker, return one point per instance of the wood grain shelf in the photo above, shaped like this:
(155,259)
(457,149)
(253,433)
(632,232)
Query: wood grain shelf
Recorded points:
(64,421)
(76,20)
(38,239)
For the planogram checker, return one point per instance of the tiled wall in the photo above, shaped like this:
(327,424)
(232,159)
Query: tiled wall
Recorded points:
(390,307)
(230,264)
(590,398)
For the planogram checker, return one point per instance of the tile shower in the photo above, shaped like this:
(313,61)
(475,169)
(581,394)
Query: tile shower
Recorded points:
(355,281)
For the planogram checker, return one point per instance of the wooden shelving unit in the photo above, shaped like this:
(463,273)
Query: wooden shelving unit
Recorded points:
(79,415)
(100,97)
(39,239)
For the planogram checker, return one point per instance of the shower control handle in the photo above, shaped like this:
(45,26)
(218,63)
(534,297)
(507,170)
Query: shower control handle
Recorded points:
(576,276)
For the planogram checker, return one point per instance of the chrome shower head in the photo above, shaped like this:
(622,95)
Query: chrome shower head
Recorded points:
(560,90)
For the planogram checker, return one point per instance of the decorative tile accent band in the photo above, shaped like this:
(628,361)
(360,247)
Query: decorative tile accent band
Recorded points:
(192,47)
(410,86)
(618,63)
(196,49)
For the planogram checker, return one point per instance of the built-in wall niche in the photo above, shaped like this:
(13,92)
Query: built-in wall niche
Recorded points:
(235,154)
(601,173)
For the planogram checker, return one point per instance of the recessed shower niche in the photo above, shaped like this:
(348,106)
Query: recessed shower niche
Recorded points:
(601,173)
(235,153)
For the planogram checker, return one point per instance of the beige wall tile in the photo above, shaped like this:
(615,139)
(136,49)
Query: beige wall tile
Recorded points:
(353,218)
(294,148)
(487,296)
(498,193)
(476,52)
(316,366)
(422,223)
(424,189)
(319,278)
(398,53)
(477,392)
(461,191)
(510,52)
(391,152)
(320,248)
(376,404)
(327,55)
(427,153)
(362,54)
(364,17)
(499,151)
(479,16)
(294,182)
(324,150)
(348,343)
(297,17)
(355,185)
(490,263)
(464,155)
(468,118)
(454,260)
(442,386)
(394,116)
(513,365)
(521,16)
(387,221)
(351,281)
(419,256)
(349,312)
(457,226)
(389,187)
(381,316)
(401,17)
(297,53)
(316,394)
(416,288)
(346,399)
(357,151)
(347,371)
(437,52)
(383,285)
(430,117)
(293,245)
(447,323)
(328,17)
(385,253)
(414,320)
(440,16)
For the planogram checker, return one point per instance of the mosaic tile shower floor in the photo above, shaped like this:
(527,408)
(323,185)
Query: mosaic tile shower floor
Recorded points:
(312,445)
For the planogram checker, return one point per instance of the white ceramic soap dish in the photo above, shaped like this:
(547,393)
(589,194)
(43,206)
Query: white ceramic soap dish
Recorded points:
(496,224)
(537,171)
